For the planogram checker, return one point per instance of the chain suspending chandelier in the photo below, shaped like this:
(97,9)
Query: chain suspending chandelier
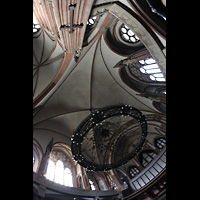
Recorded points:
(109,137)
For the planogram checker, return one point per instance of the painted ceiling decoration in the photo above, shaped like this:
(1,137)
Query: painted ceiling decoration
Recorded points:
(99,92)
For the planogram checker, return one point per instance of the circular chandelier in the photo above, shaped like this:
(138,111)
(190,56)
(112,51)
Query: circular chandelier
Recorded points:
(109,137)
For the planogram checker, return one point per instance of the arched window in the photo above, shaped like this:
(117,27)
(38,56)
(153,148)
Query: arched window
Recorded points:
(91,20)
(133,171)
(36,26)
(92,187)
(68,177)
(160,142)
(56,172)
(59,168)
(59,172)
(146,157)
(50,170)
(128,35)
(150,68)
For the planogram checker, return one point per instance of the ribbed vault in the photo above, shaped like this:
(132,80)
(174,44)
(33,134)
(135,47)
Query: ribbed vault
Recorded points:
(89,84)
(72,80)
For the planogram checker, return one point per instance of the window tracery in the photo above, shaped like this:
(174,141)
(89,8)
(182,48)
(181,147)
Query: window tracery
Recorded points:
(91,21)
(146,157)
(133,171)
(59,169)
(150,67)
(160,142)
(92,187)
(128,35)
(68,177)
(146,70)
(36,26)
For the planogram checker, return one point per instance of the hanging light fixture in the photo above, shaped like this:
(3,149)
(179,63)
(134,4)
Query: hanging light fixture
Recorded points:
(109,137)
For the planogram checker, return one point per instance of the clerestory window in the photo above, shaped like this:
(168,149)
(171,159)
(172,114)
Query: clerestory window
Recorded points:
(91,21)
(160,142)
(133,171)
(57,172)
(92,187)
(146,157)
(128,35)
(36,26)
(150,67)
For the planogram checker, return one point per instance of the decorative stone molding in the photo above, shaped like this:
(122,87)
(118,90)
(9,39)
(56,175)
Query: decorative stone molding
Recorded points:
(126,62)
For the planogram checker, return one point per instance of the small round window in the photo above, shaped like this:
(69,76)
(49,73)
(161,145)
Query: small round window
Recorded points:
(128,35)
(91,21)
(36,28)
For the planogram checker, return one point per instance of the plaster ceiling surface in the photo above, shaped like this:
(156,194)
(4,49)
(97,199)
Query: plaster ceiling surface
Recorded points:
(47,59)
(89,84)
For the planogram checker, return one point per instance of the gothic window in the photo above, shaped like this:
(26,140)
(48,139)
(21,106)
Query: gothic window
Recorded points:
(91,21)
(92,187)
(68,177)
(59,170)
(128,35)
(160,142)
(50,170)
(146,157)
(36,26)
(145,70)
(133,171)
(150,68)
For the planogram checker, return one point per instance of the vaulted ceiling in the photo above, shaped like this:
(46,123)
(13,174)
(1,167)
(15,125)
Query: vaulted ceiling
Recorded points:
(66,90)
(80,68)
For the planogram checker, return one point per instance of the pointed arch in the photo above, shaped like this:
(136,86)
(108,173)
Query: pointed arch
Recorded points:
(61,167)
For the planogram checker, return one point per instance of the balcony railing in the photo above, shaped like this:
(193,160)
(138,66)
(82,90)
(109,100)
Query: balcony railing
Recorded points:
(138,184)
(150,173)
(46,188)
